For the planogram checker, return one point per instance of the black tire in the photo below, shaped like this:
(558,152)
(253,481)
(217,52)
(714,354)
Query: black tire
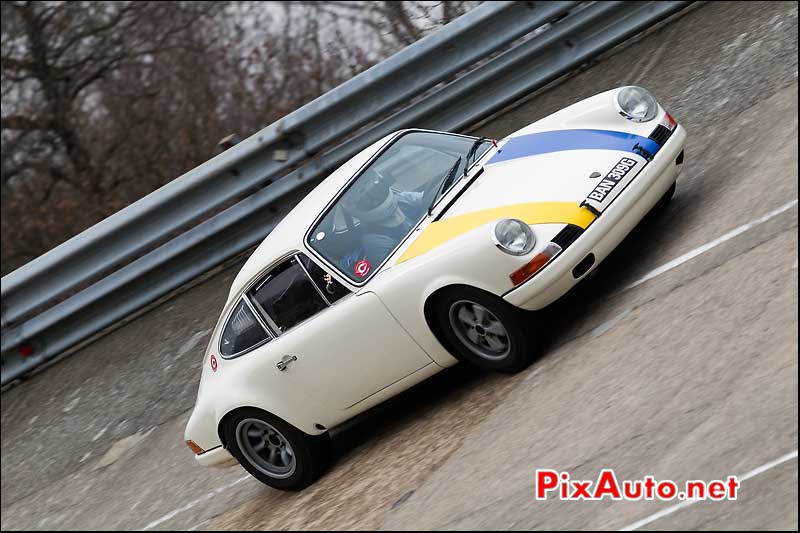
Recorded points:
(310,454)
(486,352)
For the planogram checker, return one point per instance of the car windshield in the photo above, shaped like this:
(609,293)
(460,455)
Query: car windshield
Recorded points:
(386,201)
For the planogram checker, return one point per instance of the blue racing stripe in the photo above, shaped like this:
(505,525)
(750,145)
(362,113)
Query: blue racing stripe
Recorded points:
(561,140)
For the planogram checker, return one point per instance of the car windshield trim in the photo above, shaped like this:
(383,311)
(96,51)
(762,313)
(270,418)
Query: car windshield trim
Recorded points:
(334,202)
(467,170)
(450,176)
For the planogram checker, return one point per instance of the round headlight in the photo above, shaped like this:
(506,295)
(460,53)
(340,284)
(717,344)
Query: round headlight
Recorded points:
(514,236)
(637,104)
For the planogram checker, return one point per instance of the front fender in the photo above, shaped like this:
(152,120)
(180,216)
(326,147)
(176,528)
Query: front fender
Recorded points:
(469,259)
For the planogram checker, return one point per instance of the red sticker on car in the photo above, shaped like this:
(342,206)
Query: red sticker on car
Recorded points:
(213,363)
(362,268)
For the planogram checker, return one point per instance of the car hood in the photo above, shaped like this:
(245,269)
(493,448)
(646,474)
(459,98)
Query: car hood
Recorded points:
(548,167)
(545,178)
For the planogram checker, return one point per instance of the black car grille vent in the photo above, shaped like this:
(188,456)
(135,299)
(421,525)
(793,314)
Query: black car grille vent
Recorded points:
(661,134)
(567,236)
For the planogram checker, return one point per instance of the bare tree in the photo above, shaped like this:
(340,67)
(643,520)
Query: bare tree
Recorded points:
(104,102)
(55,58)
(62,50)
(395,24)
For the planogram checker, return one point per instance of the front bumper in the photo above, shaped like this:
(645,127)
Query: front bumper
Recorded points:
(607,231)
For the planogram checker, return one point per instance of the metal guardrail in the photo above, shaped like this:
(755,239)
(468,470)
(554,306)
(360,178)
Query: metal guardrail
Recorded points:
(359,111)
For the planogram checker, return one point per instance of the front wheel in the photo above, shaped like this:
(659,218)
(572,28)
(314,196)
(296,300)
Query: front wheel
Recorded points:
(484,330)
(274,452)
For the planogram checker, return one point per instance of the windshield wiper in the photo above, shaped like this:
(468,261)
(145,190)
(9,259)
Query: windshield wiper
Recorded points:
(450,175)
(473,150)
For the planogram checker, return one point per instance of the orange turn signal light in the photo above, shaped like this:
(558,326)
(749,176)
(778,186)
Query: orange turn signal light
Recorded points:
(536,264)
(194,447)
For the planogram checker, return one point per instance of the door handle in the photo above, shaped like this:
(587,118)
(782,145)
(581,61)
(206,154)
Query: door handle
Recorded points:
(283,364)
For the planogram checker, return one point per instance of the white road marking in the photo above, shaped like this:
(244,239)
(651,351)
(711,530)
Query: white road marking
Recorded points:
(709,245)
(100,433)
(71,405)
(669,510)
(608,324)
(193,503)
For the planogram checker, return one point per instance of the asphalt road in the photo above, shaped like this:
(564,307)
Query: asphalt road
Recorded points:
(689,374)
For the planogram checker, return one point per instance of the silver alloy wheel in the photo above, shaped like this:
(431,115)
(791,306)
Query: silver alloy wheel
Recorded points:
(265,448)
(479,330)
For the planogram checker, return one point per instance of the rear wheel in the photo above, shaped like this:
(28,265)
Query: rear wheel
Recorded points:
(483,329)
(274,452)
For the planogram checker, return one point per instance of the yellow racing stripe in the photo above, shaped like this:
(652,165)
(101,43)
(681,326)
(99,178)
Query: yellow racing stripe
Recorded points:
(441,231)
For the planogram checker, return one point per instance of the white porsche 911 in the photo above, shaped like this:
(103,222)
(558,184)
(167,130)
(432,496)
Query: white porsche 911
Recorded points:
(422,250)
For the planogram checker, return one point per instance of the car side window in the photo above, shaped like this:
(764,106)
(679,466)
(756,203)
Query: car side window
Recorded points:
(331,289)
(287,296)
(242,332)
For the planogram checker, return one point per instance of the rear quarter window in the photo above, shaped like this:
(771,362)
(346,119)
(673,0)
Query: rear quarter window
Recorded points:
(242,332)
